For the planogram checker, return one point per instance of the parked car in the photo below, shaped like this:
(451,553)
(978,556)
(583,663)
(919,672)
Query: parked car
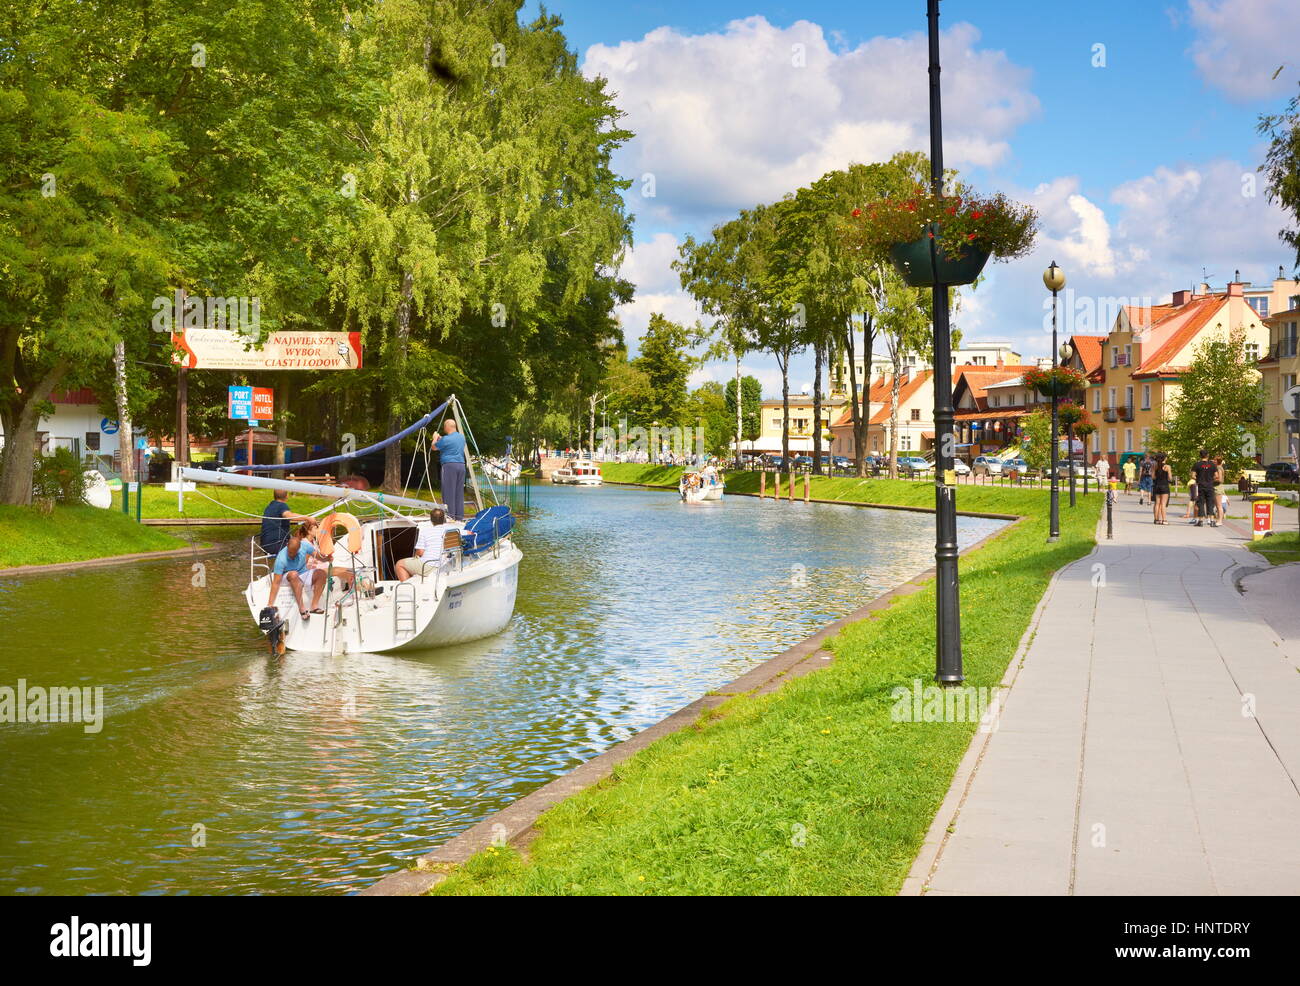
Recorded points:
(914,464)
(775,462)
(1015,465)
(1281,472)
(961,467)
(803,461)
(1080,467)
(987,465)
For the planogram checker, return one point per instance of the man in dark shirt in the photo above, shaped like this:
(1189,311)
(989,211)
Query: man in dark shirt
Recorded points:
(276,522)
(1206,474)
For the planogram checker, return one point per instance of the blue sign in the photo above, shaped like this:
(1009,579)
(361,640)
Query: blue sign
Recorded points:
(241,402)
(108,427)
(142,443)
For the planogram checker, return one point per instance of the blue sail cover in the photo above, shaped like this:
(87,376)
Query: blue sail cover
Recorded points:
(424,422)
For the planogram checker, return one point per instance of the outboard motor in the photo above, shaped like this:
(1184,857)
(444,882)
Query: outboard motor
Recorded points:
(271,624)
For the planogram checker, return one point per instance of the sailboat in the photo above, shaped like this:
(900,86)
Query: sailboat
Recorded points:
(467,594)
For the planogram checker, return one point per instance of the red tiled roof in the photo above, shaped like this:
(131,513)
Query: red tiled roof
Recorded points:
(1089,349)
(1199,311)
(979,377)
(882,392)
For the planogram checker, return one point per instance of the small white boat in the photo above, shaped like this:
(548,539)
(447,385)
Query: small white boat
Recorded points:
(702,486)
(579,472)
(502,470)
(98,493)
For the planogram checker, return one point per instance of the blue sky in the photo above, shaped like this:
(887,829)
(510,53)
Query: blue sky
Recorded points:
(1140,167)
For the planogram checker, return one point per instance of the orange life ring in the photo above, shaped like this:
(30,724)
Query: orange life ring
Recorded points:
(325,540)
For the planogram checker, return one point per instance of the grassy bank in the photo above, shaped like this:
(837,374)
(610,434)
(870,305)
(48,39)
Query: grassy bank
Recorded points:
(28,537)
(814,789)
(1279,549)
(223,502)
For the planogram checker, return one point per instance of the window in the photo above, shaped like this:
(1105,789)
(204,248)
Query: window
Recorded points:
(1146,438)
(905,442)
(1096,442)
(1146,397)
(916,414)
(1128,399)
(92,441)
(1112,400)
(993,401)
(1260,305)
(1110,440)
(1114,357)
(979,361)
(1096,400)
(1128,439)
(1252,351)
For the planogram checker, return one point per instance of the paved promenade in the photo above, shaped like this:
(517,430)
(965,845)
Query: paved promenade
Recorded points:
(1149,742)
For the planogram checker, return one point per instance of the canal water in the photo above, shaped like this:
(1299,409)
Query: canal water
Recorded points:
(221,770)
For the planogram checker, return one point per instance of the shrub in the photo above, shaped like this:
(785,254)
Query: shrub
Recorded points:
(58,478)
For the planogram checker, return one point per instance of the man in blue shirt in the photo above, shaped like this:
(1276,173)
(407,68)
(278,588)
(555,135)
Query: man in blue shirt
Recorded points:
(275,523)
(451,453)
(290,563)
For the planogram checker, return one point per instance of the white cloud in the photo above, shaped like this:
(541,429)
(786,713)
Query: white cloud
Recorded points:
(648,266)
(1241,44)
(729,119)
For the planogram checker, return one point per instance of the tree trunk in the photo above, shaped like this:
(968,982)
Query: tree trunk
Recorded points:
(125,441)
(393,454)
(893,414)
(739,435)
(282,418)
(785,410)
(819,352)
(21,419)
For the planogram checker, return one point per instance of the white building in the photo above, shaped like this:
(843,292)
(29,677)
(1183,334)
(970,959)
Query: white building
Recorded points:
(977,353)
(78,425)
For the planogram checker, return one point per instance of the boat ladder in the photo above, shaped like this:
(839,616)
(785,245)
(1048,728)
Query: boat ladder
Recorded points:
(404,618)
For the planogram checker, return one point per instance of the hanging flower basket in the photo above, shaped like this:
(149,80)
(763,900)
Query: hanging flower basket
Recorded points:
(964,231)
(921,268)
(1056,382)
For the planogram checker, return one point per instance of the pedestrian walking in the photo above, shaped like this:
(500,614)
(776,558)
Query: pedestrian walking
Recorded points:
(1103,470)
(1146,477)
(1161,478)
(1205,472)
(1129,469)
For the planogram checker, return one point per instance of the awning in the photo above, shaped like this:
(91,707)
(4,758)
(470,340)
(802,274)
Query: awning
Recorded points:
(989,415)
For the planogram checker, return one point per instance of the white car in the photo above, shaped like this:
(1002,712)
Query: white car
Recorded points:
(960,467)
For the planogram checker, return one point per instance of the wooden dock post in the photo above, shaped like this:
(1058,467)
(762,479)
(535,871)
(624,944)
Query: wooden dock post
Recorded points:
(792,486)
(807,483)
(762,484)
(776,478)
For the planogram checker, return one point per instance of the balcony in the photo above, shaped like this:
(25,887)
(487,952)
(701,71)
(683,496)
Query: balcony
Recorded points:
(1123,412)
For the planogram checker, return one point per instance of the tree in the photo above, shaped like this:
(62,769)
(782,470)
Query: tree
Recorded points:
(709,410)
(1219,407)
(750,413)
(1037,433)
(664,359)
(1281,167)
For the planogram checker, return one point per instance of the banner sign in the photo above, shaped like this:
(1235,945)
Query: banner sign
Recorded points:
(251,403)
(222,349)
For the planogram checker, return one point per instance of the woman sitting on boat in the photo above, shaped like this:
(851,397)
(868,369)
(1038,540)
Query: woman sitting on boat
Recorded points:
(320,566)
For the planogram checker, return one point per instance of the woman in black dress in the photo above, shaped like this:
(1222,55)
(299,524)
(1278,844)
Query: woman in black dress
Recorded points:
(1160,488)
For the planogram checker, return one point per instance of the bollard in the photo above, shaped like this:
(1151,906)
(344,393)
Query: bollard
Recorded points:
(762,484)
(807,483)
(1110,514)
(776,490)
(791,488)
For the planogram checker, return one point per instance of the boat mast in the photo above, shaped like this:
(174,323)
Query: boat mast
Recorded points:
(307,489)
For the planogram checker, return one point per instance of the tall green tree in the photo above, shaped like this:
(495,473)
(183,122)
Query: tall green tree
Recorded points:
(665,359)
(1281,167)
(1219,407)
(750,411)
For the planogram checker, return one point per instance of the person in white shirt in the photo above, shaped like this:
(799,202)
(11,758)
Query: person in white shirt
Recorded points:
(428,545)
(1103,470)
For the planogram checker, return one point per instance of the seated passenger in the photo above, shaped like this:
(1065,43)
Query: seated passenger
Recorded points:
(428,546)
(275,523)
(320,567)
(290,564)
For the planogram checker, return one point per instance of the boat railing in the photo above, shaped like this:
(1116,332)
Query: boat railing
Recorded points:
(258,560)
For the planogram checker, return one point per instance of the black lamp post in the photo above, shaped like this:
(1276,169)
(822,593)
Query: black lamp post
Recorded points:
(1054,278)
(948,605)
(1066,351)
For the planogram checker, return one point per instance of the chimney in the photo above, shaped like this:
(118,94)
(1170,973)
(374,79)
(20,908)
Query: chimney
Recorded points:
(1235,289)
(999,361)
(1204,290)
(1182,297)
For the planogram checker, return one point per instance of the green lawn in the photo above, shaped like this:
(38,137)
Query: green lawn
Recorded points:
(813,789)
(1279,549)
(73,534)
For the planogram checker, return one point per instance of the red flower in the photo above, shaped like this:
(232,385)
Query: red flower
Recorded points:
(977,214)
(970,236)
(856,213)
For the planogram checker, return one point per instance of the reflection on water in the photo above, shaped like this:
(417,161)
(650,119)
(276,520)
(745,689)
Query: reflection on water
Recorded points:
(220,770)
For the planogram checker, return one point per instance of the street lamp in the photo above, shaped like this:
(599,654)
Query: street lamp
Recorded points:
(947,660)
(1054,279)
(1066,352)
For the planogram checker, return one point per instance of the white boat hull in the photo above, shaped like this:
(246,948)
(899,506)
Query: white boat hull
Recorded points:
(452,606)
(702,494)
(577,480)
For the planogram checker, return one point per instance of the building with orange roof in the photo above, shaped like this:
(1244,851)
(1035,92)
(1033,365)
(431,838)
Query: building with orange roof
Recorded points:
(991,403)
(1146,353)
(915,417)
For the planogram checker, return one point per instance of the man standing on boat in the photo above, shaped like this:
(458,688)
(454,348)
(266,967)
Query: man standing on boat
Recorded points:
(451,452)
(276,520)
